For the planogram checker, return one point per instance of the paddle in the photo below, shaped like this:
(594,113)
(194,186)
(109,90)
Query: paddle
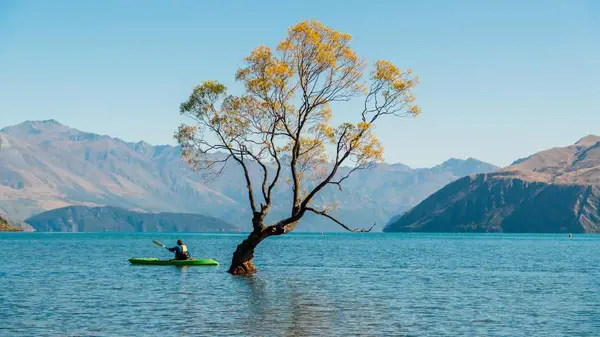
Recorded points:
(159,244)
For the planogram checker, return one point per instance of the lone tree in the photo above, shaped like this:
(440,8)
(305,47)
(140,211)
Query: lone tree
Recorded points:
(282,122)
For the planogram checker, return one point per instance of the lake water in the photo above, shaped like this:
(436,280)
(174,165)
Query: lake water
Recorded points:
(375,284)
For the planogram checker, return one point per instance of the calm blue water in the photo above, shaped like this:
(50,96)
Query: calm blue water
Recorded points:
(308,284)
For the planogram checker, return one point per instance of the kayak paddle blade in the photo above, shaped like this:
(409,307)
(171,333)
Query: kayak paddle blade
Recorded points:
(158,244)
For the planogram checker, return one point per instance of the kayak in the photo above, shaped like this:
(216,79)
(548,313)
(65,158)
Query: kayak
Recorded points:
(155,261)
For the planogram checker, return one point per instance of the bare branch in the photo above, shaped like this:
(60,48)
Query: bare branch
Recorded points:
(273,151)
(355,230)
(337,164)
(347,175)
(248,183)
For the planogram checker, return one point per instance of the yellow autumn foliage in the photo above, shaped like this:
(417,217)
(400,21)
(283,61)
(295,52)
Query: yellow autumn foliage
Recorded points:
(284,114)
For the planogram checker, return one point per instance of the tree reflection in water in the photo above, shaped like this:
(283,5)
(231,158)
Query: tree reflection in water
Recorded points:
(284,309)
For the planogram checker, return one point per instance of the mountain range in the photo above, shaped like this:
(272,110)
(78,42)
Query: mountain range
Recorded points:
(552,191)
(46,165)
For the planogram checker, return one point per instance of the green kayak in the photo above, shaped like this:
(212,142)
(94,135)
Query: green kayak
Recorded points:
(155,261)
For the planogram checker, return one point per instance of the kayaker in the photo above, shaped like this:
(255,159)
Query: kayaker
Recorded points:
(181,251)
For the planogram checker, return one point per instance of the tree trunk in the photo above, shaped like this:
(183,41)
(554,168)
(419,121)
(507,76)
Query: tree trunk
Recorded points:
(241,263)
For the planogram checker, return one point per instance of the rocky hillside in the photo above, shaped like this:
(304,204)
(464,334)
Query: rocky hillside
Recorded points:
(114,219)
(553,191)
(5,226)
(46,165)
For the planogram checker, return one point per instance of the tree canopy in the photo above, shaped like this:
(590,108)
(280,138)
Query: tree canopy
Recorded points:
(283,119)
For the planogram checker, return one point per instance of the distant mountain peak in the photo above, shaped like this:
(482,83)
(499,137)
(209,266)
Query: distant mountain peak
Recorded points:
(588,140)
(40,123)
(52,126)
(48,122)
(456,162)
(400,167)
(29,125)
(452,162)
(565,163)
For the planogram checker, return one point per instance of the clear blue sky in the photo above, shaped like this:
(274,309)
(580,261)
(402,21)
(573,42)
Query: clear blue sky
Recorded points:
(499,79)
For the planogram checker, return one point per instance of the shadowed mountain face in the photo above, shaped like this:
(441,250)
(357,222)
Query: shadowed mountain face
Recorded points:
(553,191)
(114,219)
(46,165)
